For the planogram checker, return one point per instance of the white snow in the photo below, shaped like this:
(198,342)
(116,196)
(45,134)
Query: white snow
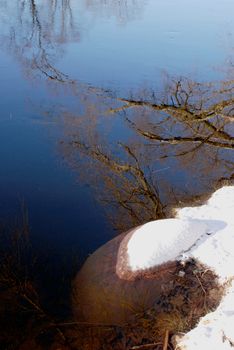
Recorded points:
(160,241)
(215,330)
(163,240)
(205,233)
(217,251)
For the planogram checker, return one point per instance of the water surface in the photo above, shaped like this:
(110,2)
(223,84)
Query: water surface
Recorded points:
(81,158)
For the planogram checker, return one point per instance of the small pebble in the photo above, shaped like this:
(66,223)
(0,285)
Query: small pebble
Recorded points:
(181,273)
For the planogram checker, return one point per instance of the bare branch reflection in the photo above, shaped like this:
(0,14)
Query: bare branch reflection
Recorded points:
(147,153)
(118,176)
(206,114)
(123,10)
(37,34)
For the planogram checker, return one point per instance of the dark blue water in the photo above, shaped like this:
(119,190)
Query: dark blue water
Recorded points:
(62,66)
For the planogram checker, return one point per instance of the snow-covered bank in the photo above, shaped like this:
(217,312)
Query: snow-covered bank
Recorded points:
(215,330)
(129,273)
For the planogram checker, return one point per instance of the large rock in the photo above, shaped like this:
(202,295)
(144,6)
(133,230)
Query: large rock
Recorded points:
(101,296)
(127,274)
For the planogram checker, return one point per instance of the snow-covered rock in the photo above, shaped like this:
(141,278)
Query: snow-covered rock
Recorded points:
(147,249)
(128,273)
(101,296)
(157,243)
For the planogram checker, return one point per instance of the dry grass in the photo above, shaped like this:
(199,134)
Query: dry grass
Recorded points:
(25,323)
(194,291)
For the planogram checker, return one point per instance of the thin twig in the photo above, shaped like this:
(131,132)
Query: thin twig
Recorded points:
(201,284)
(145,346)
(88,324)
(165,344)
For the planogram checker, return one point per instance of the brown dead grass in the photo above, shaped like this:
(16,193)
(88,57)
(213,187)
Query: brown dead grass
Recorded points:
(193,292)
(25,324)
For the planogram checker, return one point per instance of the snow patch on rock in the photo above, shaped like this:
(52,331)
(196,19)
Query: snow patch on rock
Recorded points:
(160,241)
(204,233)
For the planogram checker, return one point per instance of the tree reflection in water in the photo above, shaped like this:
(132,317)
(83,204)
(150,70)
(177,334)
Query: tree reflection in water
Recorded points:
(136,153)
(124,11)
(140,154)
(35,32)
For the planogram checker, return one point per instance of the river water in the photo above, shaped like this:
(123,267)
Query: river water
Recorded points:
(111,111)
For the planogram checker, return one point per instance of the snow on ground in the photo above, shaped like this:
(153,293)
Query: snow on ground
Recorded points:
(215,330)
(217,251)
(205,233)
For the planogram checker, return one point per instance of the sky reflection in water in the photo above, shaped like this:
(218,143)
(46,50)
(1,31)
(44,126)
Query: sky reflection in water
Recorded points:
(62,67)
